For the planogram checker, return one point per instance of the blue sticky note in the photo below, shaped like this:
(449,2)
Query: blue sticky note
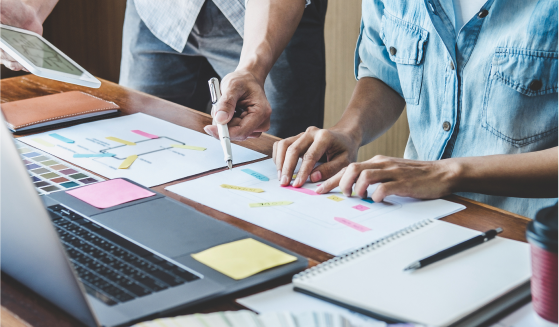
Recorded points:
(93,155)
(255,174)
(368,200)
(61,138)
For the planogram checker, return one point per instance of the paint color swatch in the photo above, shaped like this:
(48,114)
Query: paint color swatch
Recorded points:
(48,173)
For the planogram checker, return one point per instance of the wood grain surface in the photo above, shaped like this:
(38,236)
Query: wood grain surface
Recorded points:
(38,312)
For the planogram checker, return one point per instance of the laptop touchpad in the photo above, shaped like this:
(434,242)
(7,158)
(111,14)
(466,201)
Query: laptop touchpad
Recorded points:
(168,227)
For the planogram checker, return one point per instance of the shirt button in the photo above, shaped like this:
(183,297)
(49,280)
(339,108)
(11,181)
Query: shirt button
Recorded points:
(451,65)
(483,13)
(393,51)
(446,126)
(535,85)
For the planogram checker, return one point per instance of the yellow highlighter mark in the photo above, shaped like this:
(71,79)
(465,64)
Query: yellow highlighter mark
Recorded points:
(188,147)
(335,198)
(240,188)
(128,162)
(43,142)
(116,139)
(269,204)
(244,258)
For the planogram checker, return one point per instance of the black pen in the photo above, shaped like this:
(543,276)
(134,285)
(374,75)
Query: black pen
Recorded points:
(480,239)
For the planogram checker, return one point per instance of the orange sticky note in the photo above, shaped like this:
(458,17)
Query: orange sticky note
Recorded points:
(110,193)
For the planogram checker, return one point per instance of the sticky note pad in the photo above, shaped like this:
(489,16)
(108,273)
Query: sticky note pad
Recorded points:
(244,258)
(148,135)
(110,193)
(61,138)
(43,142)
(240,188)
(335,198)
(256,174)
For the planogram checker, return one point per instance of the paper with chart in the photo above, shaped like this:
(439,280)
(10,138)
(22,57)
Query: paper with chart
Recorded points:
(329,222)
(145,149)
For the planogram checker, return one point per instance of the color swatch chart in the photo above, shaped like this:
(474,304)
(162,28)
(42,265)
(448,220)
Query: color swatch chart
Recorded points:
(49,174)
(145,149)
(329,222)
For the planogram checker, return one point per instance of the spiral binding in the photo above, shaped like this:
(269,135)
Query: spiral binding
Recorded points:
(322,267)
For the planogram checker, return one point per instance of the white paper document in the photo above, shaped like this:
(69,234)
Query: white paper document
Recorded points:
(162,149)
(329,222)
(284,298)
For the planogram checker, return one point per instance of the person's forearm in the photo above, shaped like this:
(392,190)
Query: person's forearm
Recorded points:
(42,7)
(374,107)
(269,25)
(526,175)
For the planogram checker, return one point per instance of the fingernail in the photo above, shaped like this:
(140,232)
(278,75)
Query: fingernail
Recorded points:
(279,174)
(316,176)
(297,181)
(284,180)
(319,189)
(221,117)
(206,129)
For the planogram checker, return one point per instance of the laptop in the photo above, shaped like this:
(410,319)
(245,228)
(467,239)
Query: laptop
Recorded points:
(114,266)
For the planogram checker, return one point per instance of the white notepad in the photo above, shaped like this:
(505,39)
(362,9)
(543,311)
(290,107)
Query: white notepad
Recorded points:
(372,280)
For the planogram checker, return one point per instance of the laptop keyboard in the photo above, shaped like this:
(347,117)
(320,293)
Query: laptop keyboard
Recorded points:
(111,268)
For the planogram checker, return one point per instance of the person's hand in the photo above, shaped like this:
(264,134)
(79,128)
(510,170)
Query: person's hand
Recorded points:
(340,150)
(16,13)
(403,177)
(242,89)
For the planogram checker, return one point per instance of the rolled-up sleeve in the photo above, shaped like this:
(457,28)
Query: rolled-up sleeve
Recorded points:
(371,57)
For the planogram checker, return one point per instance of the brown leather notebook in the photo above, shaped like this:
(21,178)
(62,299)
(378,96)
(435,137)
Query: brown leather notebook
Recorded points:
(55,110)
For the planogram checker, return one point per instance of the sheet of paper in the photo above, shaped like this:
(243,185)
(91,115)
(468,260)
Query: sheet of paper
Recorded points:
(158,160)
(524,317)
(110,193)
(243,258)
(329,225)
(284,298)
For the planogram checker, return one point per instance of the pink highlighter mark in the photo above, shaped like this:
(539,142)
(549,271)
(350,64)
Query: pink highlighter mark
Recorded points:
(352,224)
(151,136)
(302,190)
(360,207)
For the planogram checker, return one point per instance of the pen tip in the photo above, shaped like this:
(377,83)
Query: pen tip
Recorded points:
(413,266)
(229,164)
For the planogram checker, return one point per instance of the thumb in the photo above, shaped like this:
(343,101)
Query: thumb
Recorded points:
(225,107)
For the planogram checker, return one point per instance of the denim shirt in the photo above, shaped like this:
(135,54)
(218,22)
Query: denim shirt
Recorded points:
(489,88)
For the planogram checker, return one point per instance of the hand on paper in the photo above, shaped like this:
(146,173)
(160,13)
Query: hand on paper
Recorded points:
(242,89)
(403,177)
(340,150)
(28,15)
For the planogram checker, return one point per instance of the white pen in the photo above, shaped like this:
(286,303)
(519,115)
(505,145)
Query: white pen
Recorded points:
(222,129)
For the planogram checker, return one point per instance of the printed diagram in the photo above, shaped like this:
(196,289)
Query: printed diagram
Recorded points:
(142,148)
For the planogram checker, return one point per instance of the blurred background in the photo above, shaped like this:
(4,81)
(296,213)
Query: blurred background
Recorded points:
(90,32)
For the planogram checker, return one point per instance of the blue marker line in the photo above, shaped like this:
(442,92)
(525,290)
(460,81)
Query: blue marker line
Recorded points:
(255,174)
(61,138)
(93,155)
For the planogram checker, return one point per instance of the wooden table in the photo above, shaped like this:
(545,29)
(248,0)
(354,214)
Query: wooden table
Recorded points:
(17,300)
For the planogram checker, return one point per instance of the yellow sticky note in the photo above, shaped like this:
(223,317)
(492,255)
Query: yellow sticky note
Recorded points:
(116,139)
(244,258)
(240,188)
(43,142)
(269,204)
(128,162)
(335,198)
(188,147)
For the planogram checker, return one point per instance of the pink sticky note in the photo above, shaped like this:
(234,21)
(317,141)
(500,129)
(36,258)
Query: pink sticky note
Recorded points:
(352,224)
(110,193)
(151,136)
(360,207)
(302,190)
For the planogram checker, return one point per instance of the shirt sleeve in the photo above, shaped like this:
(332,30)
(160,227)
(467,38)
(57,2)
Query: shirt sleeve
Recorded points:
(371,56)
(307,2)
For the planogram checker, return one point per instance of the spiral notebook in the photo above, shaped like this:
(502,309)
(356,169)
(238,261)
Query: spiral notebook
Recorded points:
(464,290)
